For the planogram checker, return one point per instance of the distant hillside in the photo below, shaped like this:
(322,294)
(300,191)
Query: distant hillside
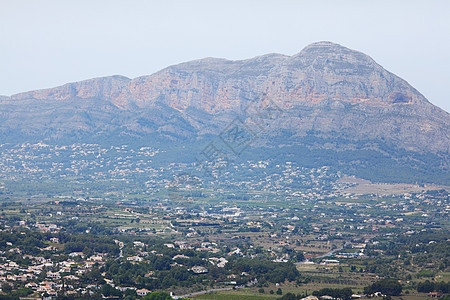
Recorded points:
(334,105)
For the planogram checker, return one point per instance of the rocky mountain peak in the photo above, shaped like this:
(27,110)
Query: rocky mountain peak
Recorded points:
(342,74)
(324,47)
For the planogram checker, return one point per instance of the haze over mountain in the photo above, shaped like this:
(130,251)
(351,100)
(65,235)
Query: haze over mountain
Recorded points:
(328,97)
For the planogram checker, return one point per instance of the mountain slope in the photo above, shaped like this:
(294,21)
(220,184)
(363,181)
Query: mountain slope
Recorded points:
(325,88)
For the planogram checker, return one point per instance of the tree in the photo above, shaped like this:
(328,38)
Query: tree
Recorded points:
(158,296)
(6,287)
(289,296)
(345,293)
(279,291)
(108,291)
(299,256)
(130,294)
(87,251)
(386,286)
(425,287)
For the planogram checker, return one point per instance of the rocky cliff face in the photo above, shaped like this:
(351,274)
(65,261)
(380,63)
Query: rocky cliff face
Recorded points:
(326,90)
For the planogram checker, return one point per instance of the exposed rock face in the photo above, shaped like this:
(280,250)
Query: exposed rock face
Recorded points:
(100,88)
(326,89)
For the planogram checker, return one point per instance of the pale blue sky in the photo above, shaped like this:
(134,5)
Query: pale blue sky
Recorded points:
(48,43)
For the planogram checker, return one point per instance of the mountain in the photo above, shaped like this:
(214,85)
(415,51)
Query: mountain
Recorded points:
(327,97)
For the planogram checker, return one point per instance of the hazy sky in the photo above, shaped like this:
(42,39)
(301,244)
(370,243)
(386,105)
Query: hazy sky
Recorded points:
(48,43)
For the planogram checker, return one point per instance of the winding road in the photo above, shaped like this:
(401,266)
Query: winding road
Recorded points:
(254,281)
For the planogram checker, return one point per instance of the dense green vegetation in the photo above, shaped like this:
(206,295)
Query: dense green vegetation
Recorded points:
(430,286)
(387,286)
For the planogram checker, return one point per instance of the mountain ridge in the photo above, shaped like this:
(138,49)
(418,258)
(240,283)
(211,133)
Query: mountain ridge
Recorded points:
(202,63)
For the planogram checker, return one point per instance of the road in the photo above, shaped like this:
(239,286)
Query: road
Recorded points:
(254,281)
(330,253)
